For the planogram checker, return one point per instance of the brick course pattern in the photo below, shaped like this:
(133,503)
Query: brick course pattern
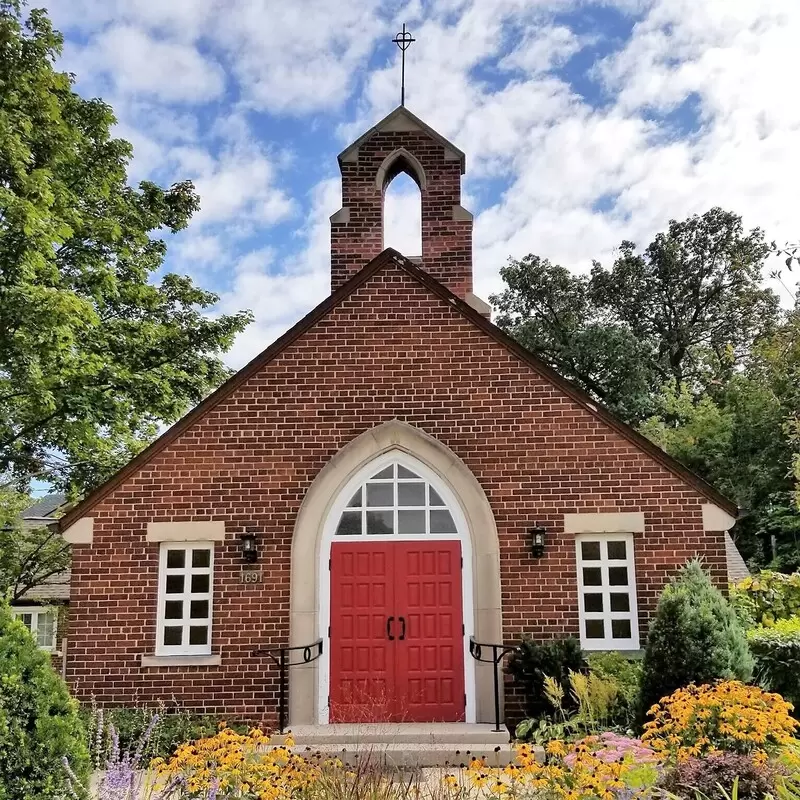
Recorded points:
(446,241)
(391,349)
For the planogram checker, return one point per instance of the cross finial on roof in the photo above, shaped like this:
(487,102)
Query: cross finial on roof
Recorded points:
(403,41)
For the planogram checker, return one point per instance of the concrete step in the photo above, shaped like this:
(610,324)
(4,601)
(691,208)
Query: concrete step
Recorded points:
(459,733)
(409,755)
(404,745)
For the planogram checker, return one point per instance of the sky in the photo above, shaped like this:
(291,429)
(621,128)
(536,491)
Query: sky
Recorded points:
(584,123)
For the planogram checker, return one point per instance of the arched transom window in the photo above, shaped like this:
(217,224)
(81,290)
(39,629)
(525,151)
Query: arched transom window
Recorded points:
(395,500)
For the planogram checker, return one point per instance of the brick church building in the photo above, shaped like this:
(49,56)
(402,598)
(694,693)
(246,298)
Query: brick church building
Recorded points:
(391,478)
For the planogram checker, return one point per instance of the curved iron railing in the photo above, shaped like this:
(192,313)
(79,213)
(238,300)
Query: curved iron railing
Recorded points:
(281,656)
(499,652)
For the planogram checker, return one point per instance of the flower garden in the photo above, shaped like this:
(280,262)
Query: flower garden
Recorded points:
(707,712)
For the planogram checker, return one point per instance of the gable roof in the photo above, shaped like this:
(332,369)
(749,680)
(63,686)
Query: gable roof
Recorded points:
(401,119)
(390,256)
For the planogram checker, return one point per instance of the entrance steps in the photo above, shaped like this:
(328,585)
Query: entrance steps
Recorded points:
(404,745)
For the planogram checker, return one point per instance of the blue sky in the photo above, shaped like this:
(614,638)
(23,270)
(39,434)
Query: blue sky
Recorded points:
(584,123)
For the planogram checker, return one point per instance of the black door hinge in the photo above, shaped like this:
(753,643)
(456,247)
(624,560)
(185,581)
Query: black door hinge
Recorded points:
(329,631)
(462,562)
(463,630)
(330,561)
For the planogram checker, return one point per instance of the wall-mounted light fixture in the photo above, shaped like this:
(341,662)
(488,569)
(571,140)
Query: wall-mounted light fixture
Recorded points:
(248,547)
(537,541)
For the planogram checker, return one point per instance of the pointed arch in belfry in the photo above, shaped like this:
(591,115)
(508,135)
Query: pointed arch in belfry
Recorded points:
(400,160)
(305,600)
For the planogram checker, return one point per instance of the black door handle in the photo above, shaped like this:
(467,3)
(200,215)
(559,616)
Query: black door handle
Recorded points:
(389,622)
(403,632)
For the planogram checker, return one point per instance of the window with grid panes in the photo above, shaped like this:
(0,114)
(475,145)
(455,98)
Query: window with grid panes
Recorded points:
(41,622)
(607,592)
(185,583)
(395,500)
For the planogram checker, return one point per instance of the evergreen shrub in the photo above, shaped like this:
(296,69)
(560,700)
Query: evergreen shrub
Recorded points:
(39,721)
(695,637)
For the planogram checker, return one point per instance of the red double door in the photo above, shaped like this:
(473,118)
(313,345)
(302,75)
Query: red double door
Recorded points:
(396,640)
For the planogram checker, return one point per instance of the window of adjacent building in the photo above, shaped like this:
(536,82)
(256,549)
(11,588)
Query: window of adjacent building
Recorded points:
(41,622)
(607,592)
(185,579)
(395,500)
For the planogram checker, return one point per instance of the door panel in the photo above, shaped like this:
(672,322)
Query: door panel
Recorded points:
(362,665)
(410,591)
(430,660)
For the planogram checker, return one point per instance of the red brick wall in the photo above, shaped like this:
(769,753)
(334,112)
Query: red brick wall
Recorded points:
(446,243)
(391,350)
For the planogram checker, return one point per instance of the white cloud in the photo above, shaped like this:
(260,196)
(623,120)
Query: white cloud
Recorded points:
(297,57)
(198,250)
(543,48)
(139,64)
(239,185)
(184,19)
(280,293)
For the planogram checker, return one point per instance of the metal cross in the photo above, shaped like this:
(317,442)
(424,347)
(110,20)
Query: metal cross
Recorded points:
(403,41)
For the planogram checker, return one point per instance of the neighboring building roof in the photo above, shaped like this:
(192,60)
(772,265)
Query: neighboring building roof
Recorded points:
(401,119)
(43,512)
(45,508)
(390,256)
(737,569)
(55,588)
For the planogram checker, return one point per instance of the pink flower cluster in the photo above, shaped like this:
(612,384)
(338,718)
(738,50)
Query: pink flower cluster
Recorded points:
(609,747)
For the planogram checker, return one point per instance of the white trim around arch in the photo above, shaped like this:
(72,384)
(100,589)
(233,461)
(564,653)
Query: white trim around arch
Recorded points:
(306,591)
(329,537)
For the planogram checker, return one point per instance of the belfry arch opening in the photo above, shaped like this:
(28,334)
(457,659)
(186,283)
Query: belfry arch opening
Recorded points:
(402,214)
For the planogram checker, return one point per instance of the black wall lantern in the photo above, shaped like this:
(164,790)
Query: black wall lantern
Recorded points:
(537,541)
(248,547)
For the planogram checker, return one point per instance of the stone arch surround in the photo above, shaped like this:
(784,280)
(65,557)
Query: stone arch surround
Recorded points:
(305,600)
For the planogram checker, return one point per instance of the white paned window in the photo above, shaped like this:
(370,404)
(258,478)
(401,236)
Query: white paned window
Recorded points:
(395,500)
(185,583)
(41,622)
(607,592)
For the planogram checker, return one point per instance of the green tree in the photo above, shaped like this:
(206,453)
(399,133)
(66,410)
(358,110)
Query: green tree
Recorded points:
(738,435)
(39,722)
(695,637)
(688,309)
(95,353)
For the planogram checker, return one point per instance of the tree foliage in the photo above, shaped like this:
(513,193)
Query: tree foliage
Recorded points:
(39,722)
(688,309)
(95,352)
(683,341)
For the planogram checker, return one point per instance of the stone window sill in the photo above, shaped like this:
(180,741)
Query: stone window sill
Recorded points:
(182,661)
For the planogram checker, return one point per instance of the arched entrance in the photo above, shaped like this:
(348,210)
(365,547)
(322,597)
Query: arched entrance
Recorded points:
(396,563)
(473,533)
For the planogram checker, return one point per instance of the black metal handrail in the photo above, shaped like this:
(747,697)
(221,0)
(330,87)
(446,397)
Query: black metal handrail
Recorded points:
(280,655)
(499,652)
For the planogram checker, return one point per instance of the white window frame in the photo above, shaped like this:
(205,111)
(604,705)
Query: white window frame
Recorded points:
(184,649)
(607,615)
(36,612)
(395,508)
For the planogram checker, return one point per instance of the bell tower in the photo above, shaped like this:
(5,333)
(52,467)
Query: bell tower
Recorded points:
(401,142)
